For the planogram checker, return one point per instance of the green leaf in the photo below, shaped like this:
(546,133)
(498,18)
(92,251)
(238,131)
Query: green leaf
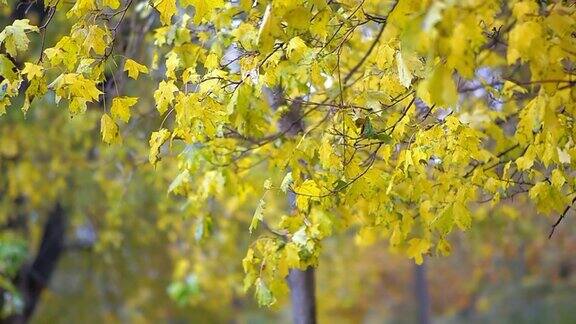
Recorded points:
(339,185)
(263,294)
(258,215)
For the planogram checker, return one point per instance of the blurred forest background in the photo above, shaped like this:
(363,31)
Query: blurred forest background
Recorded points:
(119,253)
(513,274)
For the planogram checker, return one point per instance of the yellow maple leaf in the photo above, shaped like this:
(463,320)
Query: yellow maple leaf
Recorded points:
(114,4)
(267,30)
(81,87)
(212,61)
(164,95)
(292,257)
(157,139)
(109,130)
(81,7)
(134,68)
(121,107)
(404,74)
(167,9)
(416,248)
(522,41)
(32,70)
(442,88)
(558,179)
(7,69)
(203,8)
(296,49)
(14,37)
(96,39)
(307,191)
(524,162)
(77,106)
(173,62)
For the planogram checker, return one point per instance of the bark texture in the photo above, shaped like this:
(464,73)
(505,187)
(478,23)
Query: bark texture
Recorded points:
(302,295)
(422,297)
(301,283)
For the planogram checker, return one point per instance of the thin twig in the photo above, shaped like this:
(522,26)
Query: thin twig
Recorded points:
(564,213)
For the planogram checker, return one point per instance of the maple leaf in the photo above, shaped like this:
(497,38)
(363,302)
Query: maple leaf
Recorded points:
(79,86)
(267,30)
(32,70)
(263,294)
(258,215)
(164,95)
(157,139)
(121,107)
(296,49)
(307,191)
(14,37)
(134,68)
(7,68)
(404,74)
(109,130)
(167,9)
(114,4)
(203,8)
(96,39)
(81,7)
(292,255)
(172,63)
(416,248)
(523,37)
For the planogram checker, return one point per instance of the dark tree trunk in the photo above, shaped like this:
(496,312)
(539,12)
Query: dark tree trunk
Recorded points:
(302,295)
(421,290)
(301,282)
(34,276)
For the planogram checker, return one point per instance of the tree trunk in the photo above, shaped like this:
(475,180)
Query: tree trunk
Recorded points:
(301,283)
(302,295)
(34,277)
(422,297)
